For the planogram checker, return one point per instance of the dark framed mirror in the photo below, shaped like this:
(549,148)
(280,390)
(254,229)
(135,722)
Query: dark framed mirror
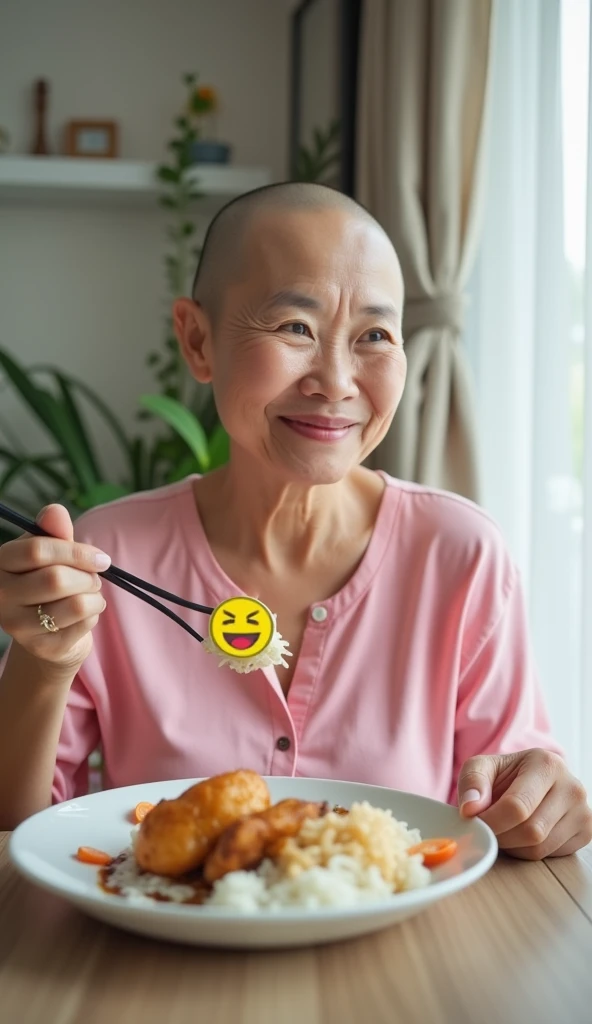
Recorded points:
(324,59)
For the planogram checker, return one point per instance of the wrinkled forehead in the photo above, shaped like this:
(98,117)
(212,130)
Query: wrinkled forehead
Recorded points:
(329,249)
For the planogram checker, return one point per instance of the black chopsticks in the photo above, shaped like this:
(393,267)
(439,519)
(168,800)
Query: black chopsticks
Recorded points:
(119,577)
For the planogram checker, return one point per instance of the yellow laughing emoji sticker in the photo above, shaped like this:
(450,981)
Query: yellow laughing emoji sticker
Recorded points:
(242,632)
(241,626)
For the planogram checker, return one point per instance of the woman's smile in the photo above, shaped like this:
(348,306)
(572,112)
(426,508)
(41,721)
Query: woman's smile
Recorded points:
(320,428)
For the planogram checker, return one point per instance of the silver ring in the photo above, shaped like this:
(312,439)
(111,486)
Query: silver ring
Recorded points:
(47,621)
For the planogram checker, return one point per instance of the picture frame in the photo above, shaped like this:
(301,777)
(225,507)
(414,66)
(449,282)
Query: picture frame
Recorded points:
(94,140)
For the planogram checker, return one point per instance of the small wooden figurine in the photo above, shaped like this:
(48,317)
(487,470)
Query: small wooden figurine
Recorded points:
(40,147)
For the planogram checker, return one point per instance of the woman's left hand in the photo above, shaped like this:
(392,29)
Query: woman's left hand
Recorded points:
(530,800)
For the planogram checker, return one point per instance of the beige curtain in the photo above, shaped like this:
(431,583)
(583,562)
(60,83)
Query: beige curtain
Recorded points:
(421,108)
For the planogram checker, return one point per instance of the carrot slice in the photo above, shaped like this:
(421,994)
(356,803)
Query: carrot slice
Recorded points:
(88,855)
(435,851)
(142,809)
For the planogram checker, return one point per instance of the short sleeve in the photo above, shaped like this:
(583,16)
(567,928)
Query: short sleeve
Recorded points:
(79,736)
(500,707)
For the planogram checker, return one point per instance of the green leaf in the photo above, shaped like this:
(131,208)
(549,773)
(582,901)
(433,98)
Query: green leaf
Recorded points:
(101,407)
(18,450)
(219,447)
(168,202)
(75,418)
(72,444)
(326,164)
(183,422)
(168,174)
(139,460)
(101,494)
(184,468)
(36,398)
(41,464)
(8,533)
(11,474)
(55,416)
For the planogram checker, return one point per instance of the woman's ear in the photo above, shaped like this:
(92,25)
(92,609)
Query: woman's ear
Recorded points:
(194,334)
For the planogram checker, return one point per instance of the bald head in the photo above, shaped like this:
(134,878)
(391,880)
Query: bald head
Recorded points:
(223,250)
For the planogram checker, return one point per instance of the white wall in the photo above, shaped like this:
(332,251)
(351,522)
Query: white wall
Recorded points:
(83,288)
(123,59)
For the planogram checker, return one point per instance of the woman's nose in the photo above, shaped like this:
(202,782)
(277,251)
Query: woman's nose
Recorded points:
(331,377)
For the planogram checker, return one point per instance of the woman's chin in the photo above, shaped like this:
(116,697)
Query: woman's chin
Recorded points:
(317,470)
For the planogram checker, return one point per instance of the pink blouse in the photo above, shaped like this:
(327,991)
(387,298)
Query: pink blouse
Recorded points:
(421,660)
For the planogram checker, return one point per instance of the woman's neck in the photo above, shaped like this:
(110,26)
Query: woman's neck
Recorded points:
(282,524)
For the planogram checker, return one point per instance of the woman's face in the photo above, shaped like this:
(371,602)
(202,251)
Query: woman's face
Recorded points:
(306,356)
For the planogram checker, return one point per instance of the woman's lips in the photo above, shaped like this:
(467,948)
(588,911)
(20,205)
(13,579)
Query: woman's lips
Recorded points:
(319,429)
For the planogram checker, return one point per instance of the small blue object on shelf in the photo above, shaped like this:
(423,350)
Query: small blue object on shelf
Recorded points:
(204,152)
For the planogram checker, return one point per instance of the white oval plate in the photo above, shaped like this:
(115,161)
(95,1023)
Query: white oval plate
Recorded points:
(43,849)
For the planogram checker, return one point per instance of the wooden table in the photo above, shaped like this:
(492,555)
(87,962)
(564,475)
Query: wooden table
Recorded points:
(516,947)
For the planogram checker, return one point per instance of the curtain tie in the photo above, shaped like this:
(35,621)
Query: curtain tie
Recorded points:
(434,311)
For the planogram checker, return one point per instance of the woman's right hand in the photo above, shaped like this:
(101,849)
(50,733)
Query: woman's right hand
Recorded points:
(59,575)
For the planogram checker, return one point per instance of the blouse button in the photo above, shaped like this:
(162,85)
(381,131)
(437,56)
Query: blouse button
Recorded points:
(319,613)
(283,743)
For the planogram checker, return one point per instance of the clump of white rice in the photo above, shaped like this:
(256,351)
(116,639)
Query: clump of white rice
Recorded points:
(340,860)
(275,653)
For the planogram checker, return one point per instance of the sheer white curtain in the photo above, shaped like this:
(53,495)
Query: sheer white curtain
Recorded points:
(521,341)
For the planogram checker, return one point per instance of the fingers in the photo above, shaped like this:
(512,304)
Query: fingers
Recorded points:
(537,809)
(49,584)
(59,575)
(71,611)
(535,773)
(23,624)
(55,520)
(30,553)
(537,828)
(20,596)
(572,832)
(577,842)
(476,781)
(70,645)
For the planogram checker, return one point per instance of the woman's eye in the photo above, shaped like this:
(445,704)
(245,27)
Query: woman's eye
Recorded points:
(296,328)
(377,334)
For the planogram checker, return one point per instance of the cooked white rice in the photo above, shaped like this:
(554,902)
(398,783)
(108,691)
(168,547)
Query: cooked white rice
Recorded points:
(342,883)
(335,861)
(339,860)
(132,883)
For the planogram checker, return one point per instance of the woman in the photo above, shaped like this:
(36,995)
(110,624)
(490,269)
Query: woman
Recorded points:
(411,666)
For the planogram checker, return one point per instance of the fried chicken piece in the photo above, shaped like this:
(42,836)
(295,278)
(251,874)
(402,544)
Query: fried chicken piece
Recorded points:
(178,834)
(244,844)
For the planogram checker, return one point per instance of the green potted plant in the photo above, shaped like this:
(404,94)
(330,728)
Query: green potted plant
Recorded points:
(320,160)
(178,392)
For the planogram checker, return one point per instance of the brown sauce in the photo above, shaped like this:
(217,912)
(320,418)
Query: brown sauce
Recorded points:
(201,889)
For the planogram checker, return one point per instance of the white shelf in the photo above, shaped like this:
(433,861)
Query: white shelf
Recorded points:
(65,180)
